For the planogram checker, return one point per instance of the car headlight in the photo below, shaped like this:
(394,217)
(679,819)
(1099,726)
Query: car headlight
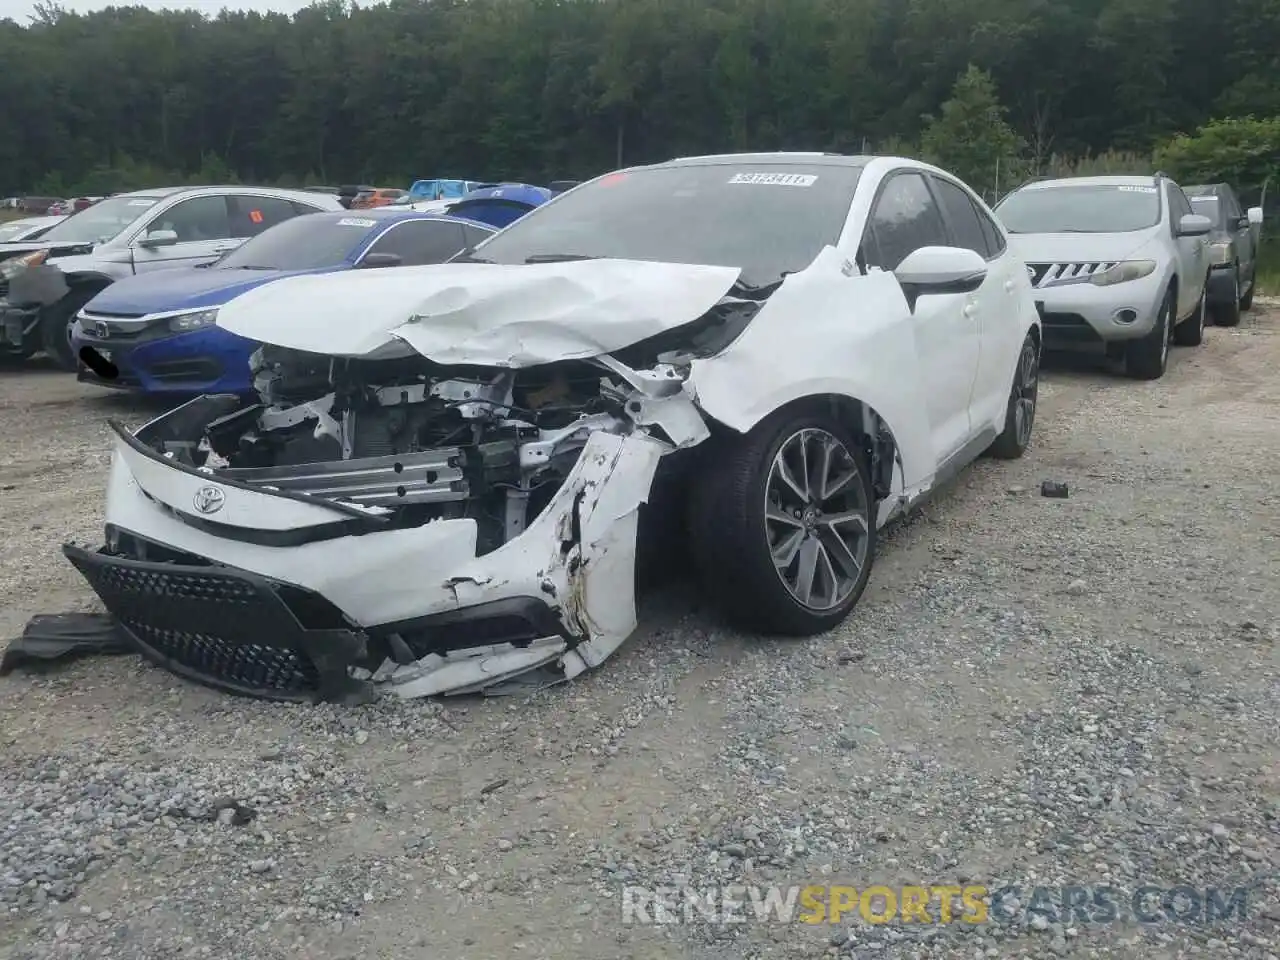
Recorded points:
(15,265)
(186,322)
(1220,252)
(1123,272)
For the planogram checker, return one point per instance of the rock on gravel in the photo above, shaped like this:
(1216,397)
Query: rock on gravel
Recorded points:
(1035,692)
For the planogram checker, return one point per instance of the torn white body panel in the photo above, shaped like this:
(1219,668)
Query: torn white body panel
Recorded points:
(478,313)
(868,354)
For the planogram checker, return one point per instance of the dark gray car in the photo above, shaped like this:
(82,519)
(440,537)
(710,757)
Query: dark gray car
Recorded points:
(1233,249)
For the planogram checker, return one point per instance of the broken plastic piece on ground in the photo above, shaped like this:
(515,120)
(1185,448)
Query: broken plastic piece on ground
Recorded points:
(1054,489)
(57,636)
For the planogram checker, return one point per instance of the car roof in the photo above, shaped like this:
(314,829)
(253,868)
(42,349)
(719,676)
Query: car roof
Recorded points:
(1206,189)
(782,157)
(389,215)
(161,192)
(1099,181)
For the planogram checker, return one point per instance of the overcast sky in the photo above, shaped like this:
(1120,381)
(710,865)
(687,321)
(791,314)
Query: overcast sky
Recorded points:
(20,10)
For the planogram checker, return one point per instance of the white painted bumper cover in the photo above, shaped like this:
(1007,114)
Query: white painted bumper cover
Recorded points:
(577,556)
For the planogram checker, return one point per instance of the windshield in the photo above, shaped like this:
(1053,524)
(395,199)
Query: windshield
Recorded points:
(102,222)
(1209,207)
(307,242)
(1080,208)
(768,219)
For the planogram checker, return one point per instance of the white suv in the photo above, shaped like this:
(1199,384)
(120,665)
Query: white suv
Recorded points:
(1119,261)
(45,282)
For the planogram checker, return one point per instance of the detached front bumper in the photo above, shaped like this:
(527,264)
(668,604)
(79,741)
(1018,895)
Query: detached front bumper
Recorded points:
(291,597)
(19,327)
(223,627)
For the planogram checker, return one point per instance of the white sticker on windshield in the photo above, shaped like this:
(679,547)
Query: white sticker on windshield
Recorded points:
(1137,189)
(776,179)
(356,222)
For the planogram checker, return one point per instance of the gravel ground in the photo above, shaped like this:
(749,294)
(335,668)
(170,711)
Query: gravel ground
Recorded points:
(1033,692)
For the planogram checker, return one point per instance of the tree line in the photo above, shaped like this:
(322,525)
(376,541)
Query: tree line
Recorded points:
(547,89)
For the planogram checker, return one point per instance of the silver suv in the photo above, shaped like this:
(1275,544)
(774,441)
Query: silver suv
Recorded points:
(1118,261)
(45,282)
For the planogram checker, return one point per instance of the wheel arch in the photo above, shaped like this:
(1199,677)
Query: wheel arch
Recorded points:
(88,279)
(865,422)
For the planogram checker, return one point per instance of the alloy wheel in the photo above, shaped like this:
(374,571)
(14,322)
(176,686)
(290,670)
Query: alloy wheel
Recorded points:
(1165,315)
(817,518)
(1026,386)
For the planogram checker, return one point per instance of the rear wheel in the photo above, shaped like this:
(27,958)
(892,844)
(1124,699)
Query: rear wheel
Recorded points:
(1148,357)
(55,326)
(1190,332)
(1021,414)
(782,524)
(1227,313)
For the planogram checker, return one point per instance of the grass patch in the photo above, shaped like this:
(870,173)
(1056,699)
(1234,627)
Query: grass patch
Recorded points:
(6,215)
(1269,269)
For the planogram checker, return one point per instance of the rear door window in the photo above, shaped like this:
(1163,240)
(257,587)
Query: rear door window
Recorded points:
(962,218)
(251,215)
(418,242)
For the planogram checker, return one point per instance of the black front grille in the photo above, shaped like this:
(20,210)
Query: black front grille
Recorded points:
(198,368)
(223,627)
(1067,328)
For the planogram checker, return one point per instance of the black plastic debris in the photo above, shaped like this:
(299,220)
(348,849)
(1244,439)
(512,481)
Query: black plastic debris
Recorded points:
(1054,490)
(61,636)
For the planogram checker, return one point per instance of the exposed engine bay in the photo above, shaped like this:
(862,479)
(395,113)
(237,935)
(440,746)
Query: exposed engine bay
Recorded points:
(426,442)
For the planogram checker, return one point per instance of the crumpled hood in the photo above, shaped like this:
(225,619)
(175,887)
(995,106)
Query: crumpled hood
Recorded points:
(18,247)
(180,288)
(1078,247)
(475,313)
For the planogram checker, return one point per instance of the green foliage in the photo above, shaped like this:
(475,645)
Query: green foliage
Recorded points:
(543,89)
(1109,163)
(1269,269)
(971,138)
(1244,152)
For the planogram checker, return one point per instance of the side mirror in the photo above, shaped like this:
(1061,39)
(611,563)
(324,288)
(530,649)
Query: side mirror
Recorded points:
(373,260)
(1194,225)
(1254,216)
(159,238)
(937,270)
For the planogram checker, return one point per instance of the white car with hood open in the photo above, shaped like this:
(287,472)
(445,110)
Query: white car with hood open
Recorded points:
(452,468)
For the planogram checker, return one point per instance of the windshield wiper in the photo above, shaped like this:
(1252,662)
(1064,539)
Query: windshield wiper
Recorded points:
(466,256)
(559,257)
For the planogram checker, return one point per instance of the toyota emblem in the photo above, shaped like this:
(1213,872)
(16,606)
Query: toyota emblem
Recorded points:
(1031,272)
(102,330)
(209,500)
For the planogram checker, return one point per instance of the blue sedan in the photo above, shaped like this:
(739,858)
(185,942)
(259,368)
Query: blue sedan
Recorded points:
(155,333)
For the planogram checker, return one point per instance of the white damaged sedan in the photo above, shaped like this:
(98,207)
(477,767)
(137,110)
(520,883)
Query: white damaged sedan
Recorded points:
(451,469)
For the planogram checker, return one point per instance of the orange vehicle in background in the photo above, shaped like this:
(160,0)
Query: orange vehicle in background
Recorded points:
(380,197)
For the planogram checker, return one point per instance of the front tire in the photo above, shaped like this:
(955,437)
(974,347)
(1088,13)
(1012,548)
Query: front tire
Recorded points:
(1020,416)
(55,327)
(1148,357)
(1190,332)
(782,524)
(1246,301)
